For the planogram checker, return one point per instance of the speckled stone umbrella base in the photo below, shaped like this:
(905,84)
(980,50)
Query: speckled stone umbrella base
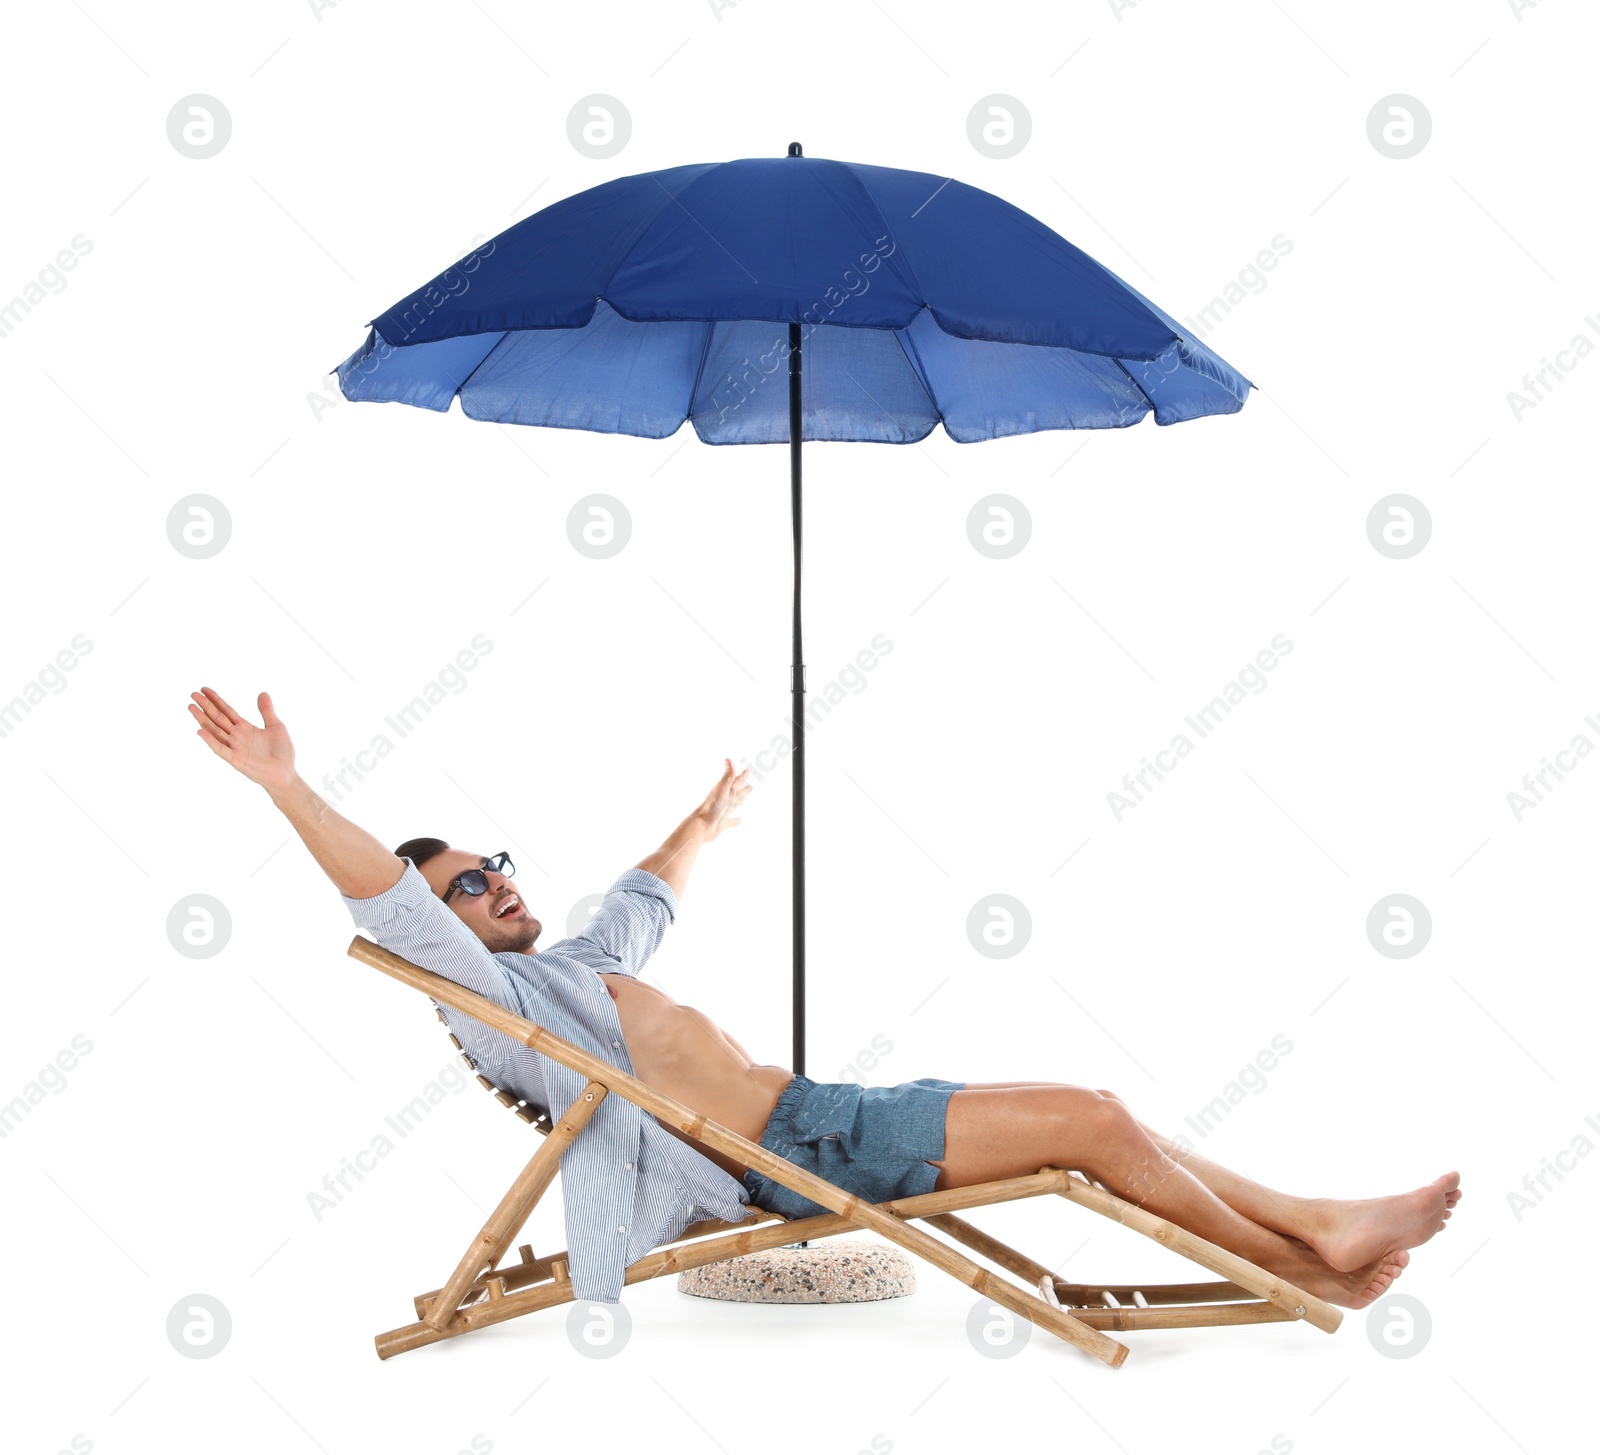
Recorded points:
(835,1271)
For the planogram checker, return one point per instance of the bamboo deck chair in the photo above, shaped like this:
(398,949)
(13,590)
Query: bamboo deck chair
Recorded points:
(484,1291)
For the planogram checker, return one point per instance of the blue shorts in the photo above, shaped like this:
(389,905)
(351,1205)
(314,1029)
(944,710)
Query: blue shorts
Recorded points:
(873,1141)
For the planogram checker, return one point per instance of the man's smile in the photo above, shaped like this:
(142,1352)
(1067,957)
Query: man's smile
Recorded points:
(509,908)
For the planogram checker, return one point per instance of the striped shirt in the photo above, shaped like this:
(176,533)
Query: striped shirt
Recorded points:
(628,1185)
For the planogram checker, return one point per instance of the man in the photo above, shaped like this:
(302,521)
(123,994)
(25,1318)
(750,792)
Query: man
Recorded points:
(631,1183)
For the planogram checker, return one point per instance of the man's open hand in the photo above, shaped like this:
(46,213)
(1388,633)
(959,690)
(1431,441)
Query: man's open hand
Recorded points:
(263,754)
(730,791)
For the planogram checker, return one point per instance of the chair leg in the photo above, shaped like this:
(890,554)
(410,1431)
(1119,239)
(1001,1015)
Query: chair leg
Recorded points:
(506,1221)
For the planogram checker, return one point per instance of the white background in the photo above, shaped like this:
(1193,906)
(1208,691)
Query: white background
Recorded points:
(374,144)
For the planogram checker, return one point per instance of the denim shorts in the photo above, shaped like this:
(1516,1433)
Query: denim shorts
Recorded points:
(873,1141)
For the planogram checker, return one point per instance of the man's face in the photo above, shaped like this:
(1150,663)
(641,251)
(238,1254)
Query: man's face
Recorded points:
(499,917)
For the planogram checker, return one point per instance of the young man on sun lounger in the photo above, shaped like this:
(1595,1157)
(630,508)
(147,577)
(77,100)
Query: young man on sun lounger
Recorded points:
(632,1183)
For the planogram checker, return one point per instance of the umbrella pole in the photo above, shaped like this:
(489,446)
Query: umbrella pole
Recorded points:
(797,689)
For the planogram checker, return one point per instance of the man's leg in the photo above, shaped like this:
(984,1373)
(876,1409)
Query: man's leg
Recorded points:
(1329,1225)
(1004,1131)
(1283,1212)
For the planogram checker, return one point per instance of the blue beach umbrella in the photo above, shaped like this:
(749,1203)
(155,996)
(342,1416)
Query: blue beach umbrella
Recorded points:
(775,300)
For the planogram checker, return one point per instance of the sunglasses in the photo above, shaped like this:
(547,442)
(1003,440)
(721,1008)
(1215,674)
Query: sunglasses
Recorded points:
(476,881)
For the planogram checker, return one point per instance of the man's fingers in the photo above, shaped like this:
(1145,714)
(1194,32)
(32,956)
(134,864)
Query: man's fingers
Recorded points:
(221,724)
(220,749)
(206,713)
(228,713)
(264,706)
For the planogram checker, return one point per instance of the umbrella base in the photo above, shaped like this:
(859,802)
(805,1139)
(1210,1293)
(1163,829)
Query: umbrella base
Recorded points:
(837,1271)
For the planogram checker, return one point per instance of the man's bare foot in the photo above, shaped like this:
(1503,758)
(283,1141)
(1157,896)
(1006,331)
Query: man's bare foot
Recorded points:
(1349,1234)
(1354,1289)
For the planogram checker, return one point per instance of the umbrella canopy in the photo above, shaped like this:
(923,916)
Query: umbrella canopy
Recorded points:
(885,301)
(661,297)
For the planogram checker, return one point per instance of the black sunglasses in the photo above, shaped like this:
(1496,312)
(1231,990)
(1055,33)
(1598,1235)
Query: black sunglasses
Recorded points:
(476,881)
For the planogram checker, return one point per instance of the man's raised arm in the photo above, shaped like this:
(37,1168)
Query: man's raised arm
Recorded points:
(386,897)
(636,910)
(675,858)
(358,864)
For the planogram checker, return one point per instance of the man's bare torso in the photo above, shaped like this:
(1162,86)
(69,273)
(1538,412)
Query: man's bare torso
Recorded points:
(682,1053)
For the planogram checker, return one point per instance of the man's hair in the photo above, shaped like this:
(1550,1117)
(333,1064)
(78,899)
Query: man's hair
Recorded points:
(419,851)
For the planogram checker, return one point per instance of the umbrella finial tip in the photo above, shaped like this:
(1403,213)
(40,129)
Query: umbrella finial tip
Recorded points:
(794,149)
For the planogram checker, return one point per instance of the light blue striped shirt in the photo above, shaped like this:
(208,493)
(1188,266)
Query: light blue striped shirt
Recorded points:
(628,1185)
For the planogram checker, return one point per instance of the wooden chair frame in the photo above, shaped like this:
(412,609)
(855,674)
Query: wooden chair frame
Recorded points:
(482,1291)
